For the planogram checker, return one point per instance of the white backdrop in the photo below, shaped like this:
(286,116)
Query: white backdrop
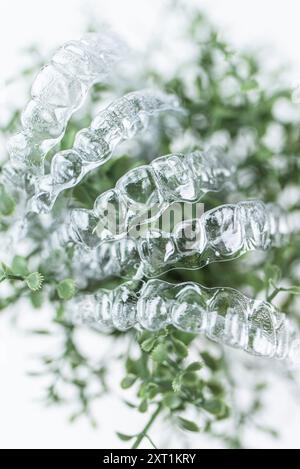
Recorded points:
(24,422)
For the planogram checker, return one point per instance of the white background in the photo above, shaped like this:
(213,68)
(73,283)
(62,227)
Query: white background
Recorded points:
(24,422)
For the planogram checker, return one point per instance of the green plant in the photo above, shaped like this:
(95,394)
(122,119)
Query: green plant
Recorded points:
(174,374)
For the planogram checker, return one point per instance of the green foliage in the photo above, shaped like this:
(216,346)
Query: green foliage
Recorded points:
(66,289)
(178,378)
(34,281)
(7,203)
(124,437)
(163,376)
(19,266)
(188,425)
(19,272)
(128,381)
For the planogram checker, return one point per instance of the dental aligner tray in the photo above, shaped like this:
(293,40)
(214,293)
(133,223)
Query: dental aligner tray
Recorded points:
(223,315)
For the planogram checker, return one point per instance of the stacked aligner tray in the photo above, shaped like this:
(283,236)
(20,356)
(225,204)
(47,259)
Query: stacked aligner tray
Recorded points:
(121,120)
(140,198)
(57,92)
(221,314)
(221,234)
(150,190)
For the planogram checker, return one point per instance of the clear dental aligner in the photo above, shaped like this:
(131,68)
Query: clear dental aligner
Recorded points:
(150,189)
(58,91)
(221,314)
(121,120)
(221,234)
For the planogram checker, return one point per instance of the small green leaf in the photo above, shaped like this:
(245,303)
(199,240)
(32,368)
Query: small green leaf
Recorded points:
(177,383)
(160,353)
(36,298)
(210,361)
(215,387)
(250,85)
(148,344)
(7,203)
(152,390)
(124,437)
(5,269)
(180,348)
(195,366)
(35,281)
(143,390)
(259,387)
(172,401)
(74,417)
(143,407)
(128,381)
(190,378)
(188,425)
(40,332)
(66,289)
(19,266)
(60,313)
(214,407)
(137,367)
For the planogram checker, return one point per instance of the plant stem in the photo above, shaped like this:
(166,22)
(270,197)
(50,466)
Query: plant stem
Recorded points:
(15,277)
(274,294)
(144,432)
(12,277)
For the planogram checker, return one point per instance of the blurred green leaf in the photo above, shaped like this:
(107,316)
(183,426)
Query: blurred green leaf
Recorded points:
(188,425)
(160,353)
(66,289)
(34,281)
(128,381)
(124,437)
(7,203)
(19,266)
